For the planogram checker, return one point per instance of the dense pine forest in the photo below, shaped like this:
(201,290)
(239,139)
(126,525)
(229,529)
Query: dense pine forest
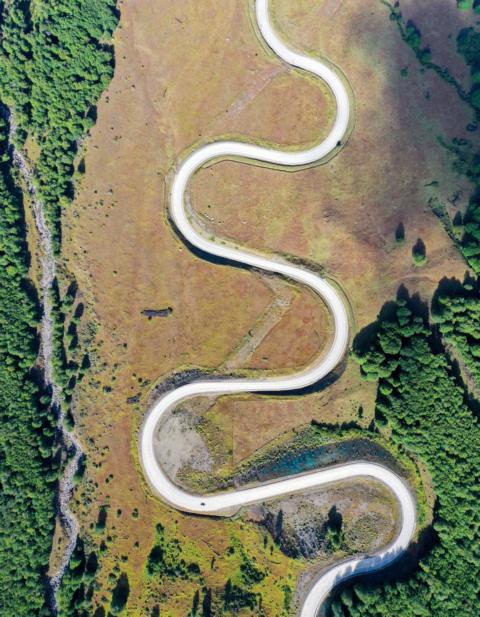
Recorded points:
(422,401)
(55,60)
(28,457)
(456,310)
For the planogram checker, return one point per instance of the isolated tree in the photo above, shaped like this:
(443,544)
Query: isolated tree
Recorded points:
(400,233)
(419,253)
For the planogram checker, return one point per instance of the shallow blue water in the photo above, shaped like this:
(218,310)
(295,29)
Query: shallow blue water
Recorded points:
(295,462)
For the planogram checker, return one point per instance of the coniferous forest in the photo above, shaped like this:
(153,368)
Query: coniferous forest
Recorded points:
(423,401)
(28,461)
(55,60)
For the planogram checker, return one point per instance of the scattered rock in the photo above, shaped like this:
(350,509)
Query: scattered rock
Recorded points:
(164,312)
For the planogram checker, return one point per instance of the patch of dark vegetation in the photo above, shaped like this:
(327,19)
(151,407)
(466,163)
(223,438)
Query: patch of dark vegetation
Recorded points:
(29,450)
(75,597)
(120,594)
(419,253)
(101,519)
(400,234)
(451,226)
(165,559)
(456,311)
(65,343)
(55,63)
(236,598)
(465,229)
(427,411)
(207,603)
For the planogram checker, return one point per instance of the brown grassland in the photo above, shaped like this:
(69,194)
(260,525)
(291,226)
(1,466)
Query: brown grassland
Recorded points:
(187,72)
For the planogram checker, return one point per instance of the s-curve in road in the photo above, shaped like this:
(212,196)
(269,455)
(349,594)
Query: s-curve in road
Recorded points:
(226,503)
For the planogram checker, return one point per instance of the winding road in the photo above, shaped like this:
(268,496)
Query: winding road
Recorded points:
(226,503)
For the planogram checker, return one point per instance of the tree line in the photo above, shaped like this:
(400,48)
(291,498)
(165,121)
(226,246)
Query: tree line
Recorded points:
(456,311)
(29,454)
(55,60)
(423,403)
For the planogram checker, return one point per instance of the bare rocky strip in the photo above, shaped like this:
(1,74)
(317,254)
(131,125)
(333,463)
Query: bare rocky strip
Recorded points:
(45,360)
